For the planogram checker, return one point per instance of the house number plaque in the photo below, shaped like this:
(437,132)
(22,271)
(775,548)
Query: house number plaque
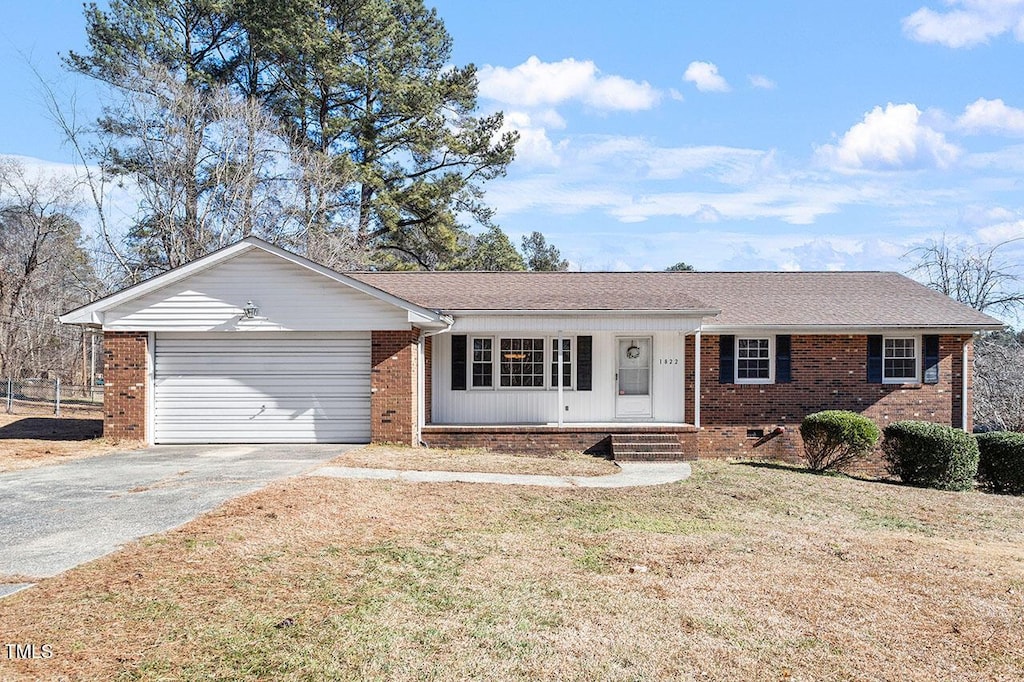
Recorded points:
(668,361)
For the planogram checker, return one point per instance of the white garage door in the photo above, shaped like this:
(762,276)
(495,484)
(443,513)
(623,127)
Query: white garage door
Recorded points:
(262,388)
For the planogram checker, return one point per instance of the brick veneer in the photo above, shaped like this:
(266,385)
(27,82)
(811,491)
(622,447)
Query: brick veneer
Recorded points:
(428,384)
(546,440)
(125,358)
(828,372)
(393,413)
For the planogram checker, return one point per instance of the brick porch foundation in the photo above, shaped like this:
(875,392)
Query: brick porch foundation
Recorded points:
(547,440)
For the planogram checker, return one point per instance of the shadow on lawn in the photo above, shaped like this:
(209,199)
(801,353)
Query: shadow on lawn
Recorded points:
(797,469)
(46,428)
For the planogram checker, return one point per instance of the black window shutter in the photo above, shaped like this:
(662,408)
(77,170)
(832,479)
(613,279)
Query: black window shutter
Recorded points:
(726,358)
(584,363)
(930,375)
(783,343)
(458,362)
(874,359)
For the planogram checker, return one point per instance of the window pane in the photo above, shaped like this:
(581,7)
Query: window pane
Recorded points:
(752,359)
(900,358)
(566,363)
(483,367)
(522,362)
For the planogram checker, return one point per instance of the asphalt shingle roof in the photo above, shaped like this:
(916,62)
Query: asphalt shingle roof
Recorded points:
(855,299)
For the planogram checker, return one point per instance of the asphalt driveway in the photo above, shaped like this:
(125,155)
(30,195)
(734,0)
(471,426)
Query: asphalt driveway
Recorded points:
(56,517)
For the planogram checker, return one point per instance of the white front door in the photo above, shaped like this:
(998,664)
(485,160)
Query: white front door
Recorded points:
(633,378)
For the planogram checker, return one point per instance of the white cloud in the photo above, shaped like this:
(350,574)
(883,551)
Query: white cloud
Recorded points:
(535,83)
(761,82)
(534,148)
(1002,232)
(889,139)
(967,23)
(705,76)
(992,116)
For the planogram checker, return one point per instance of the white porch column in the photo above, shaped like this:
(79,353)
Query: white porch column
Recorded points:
(696,378)
(561,398)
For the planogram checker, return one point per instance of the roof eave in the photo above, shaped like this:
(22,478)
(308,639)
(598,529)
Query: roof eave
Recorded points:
(685,312)
(848,328)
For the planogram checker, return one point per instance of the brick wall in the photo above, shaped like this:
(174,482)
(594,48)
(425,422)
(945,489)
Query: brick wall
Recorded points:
(828,372)
(545,440)
(393,387)
(125,358)
(428,383)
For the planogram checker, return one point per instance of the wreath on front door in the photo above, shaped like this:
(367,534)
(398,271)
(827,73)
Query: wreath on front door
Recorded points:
(633,352)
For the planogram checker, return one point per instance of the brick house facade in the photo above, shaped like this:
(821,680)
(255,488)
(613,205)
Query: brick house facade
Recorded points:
(828,372)
(373,357)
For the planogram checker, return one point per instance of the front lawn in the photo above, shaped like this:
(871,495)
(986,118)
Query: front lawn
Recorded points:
(741,572)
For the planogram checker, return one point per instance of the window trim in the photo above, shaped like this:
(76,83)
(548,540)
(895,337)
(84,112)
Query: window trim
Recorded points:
(770,379)
(554,363)
(543,363)
(918,359)
(549,345)
(470,363)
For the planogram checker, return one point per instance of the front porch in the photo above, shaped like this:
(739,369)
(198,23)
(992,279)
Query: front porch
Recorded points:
(615,440)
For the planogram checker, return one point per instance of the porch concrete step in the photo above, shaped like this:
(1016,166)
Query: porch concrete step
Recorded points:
(647,447)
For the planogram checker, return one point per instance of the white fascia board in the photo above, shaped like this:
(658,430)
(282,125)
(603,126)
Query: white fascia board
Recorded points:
(843,329)
(92,313)
(432,322)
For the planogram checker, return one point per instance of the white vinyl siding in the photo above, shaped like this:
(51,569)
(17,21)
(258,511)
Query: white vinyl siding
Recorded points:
(262,388)
(289,296)
(540,405)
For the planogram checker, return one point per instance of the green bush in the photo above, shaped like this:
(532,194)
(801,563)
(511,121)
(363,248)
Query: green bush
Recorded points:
(930,455)
(1001,461)
(835,438)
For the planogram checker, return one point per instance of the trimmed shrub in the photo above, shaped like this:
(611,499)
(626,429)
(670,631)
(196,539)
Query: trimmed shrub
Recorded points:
(836,438)
(930,455)
(1001,461)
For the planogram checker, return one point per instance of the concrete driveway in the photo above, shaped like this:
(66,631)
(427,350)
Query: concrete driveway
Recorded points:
(56,517)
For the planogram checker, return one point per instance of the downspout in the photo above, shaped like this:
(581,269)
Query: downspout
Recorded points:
(421,380)
(963,387)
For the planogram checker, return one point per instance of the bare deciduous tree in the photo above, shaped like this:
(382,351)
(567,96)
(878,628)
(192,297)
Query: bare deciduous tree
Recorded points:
(999,381)
(987,279)
(981,276)
(43,271)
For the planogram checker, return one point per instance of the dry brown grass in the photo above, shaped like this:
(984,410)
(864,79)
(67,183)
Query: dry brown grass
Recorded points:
(423,459)
(747,573)
(34,437)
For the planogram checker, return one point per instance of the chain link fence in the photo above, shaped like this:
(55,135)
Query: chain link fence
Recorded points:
(36,396)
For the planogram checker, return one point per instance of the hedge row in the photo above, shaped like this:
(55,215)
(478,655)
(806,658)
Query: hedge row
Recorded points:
(918,453)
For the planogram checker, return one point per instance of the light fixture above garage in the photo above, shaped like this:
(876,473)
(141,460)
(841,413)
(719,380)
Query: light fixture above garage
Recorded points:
(251,310)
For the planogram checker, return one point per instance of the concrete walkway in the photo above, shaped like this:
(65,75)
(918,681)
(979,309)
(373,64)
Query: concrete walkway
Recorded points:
(632,474)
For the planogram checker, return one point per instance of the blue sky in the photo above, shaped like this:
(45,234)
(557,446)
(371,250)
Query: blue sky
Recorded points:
(730,135)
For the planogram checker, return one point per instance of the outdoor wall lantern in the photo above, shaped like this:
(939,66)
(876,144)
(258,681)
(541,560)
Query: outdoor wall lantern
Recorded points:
(250,310)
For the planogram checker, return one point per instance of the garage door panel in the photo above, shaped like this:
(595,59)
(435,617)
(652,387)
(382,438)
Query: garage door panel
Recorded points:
(263,385)
(272,388)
